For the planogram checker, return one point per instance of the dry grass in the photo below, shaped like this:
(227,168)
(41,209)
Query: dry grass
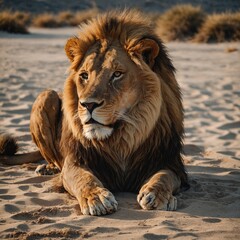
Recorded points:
(16,22)
(23,17)
(63,19)
(220,28)
(46,20)
(180,22)
(231,49)
(82,16)
(13,22)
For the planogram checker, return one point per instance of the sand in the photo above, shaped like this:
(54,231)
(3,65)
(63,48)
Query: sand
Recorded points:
(209,77)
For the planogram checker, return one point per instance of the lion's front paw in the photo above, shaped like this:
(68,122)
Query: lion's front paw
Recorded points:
(97,202)
(150,199)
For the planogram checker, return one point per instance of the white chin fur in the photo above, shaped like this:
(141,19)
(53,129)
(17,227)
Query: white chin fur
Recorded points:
(96,131)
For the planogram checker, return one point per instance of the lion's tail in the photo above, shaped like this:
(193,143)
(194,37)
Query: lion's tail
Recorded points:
(9,148)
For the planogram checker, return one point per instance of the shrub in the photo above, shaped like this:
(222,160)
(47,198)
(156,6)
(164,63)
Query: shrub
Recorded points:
(220,28)
(82,16)
(65,18)
(46,20)
(23,17)
(180,22)
(9,22)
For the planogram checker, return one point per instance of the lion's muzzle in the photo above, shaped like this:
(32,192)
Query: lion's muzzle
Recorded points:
(90,106)
(94,126)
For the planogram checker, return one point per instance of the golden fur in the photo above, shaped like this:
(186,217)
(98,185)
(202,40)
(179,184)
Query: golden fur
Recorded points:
(121,123)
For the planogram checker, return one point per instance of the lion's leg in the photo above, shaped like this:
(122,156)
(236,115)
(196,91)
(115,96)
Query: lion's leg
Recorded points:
(93,198)
(157,192)
(44,125)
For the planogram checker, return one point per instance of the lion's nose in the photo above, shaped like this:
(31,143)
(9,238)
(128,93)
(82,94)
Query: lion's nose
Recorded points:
(90,106)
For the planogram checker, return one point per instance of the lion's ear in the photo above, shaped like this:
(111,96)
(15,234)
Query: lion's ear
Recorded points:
(71,48)
(149,49)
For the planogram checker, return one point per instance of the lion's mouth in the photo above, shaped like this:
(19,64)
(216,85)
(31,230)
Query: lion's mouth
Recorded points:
(93,129)
(93,121)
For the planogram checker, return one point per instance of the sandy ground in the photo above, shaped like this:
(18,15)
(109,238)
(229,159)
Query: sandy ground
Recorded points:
(210,79)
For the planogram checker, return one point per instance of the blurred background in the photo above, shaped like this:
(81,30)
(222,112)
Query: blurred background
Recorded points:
(174,20)
(40,6)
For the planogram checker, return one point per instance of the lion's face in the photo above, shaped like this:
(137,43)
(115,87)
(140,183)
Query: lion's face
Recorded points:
(108,89)
(113,89)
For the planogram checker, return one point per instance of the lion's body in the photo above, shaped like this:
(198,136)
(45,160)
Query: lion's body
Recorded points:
(119,124)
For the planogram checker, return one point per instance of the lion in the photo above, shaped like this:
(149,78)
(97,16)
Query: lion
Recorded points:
(118,126)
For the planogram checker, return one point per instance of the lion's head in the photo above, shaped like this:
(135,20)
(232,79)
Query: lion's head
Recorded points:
(122,82)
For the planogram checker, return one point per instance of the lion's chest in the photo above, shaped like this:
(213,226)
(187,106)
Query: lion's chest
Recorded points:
(120,174)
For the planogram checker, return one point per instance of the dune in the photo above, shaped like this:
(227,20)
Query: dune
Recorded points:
(30,208)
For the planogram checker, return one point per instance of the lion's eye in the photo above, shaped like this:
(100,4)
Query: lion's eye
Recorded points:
(117,75)
(84,76)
